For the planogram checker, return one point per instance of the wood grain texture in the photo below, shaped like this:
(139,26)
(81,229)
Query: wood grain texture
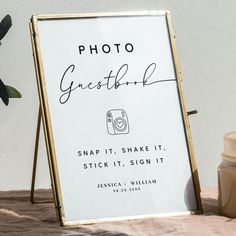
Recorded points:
(19,217)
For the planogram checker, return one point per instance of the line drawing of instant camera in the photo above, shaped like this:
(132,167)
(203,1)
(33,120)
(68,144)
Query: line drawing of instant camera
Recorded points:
(117,122)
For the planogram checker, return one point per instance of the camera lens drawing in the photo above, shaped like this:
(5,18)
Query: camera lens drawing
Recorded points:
(117,122)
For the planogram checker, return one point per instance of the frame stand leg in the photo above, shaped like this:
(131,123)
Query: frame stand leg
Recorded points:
(32,197)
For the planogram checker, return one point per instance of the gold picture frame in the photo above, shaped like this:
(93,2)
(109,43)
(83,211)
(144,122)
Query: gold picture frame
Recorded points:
(44,112)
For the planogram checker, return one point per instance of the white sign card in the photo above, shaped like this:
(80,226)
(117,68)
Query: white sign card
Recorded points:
(114,116)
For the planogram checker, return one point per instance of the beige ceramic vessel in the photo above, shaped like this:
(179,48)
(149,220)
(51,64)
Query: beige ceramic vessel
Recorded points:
(227,177)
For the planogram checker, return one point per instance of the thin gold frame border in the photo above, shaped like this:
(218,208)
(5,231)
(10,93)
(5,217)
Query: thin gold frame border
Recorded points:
(44,108)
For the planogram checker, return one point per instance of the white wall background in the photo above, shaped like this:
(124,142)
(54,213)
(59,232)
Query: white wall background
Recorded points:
(206,36)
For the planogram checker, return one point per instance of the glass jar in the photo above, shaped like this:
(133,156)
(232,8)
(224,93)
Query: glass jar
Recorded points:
(227,177)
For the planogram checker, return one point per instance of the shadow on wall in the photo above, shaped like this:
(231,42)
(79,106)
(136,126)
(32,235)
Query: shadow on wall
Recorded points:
(190,195)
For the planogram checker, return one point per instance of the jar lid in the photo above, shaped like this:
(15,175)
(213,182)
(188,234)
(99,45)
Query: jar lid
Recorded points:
(230,144)
(228,157)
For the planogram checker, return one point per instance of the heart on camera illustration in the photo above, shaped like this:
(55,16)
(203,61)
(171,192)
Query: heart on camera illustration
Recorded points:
(120,124)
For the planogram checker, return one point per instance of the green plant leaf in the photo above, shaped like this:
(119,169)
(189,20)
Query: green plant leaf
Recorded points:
(12,92)
(5,25)
(3,93)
